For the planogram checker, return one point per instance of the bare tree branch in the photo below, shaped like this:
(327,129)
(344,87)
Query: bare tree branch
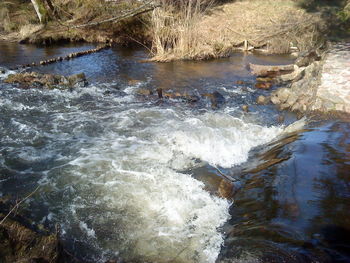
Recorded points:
(18,204)
(146,7)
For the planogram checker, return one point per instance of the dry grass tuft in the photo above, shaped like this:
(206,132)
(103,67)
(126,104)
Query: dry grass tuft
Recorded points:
(29,29)
(275,25)
(174,31)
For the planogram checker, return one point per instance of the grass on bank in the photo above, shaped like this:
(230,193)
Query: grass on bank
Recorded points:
(203,33)
(15,14)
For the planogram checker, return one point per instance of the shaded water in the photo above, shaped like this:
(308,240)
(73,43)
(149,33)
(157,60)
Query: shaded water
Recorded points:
(137,179)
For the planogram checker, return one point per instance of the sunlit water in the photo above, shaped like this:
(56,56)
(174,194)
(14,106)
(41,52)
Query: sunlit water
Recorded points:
(136,179)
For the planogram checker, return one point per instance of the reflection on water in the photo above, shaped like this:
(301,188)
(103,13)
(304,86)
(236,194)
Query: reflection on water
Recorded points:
(297,210)
(136,179)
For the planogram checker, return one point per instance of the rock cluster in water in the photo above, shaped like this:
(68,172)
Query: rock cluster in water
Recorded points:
(216,98)
(300,86)
(28,80)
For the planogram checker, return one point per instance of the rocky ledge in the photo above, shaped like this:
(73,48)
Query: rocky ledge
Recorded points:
(28,80)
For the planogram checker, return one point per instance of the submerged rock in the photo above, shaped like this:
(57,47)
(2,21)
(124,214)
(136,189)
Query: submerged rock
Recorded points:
(225,189)
(144,92)
(216,99)
(28,80)
(77,80)
(262,100)
(270,70)
(134,82)
(280,118)
(245,108)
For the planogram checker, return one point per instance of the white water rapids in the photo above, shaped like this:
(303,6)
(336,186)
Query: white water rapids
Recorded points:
(117,178)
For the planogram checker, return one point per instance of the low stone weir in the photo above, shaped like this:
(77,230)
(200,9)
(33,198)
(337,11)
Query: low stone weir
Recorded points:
(67,57)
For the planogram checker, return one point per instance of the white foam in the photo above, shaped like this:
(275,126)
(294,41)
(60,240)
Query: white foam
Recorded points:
(83,226)
(125,188)
(162,214)
(7,73)
(220,139)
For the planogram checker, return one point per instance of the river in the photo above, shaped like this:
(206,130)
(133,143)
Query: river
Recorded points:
(138,179)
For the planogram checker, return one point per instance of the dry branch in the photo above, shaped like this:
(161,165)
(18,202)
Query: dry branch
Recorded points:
(146,7)
(18,204)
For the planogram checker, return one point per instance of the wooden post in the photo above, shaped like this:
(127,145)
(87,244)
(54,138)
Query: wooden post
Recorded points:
(245,45)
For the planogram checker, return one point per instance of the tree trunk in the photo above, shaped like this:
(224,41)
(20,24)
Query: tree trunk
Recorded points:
(41,10)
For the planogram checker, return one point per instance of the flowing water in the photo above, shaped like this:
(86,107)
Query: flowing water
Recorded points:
(138,179)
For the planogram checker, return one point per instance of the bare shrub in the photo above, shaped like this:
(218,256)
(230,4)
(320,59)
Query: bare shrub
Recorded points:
(195,32)
(174,30)
(14,14)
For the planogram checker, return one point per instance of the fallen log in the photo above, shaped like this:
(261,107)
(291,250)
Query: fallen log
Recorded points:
(268,70)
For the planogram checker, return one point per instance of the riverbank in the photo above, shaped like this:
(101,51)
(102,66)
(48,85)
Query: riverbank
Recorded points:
(318,82)
(274,27)
(201,30)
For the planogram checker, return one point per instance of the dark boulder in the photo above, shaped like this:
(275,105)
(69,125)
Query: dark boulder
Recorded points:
(216,99)
(245,108)
(270,70)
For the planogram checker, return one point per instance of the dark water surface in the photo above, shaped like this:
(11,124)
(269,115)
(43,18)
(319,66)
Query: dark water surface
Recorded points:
(137,179)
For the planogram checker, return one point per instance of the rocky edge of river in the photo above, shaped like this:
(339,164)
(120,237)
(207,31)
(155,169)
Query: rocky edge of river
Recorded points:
(316,82)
